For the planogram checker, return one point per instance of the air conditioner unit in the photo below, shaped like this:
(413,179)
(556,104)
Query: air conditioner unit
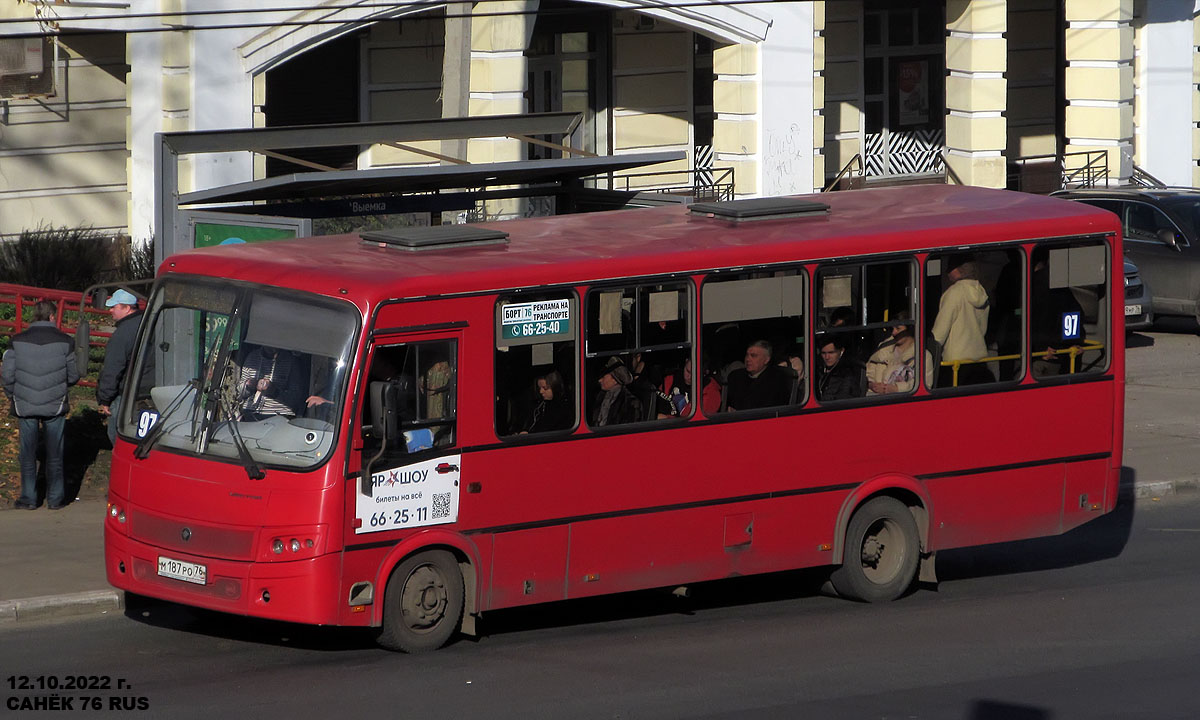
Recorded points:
(22,56)
(27,68)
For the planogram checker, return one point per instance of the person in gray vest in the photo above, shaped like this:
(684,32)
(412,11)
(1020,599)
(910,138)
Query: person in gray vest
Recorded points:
(37,369)
(123,306)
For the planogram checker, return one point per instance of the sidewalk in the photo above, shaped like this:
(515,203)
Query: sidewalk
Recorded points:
(54,562)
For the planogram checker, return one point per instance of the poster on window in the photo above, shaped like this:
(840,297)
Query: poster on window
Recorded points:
(912,88)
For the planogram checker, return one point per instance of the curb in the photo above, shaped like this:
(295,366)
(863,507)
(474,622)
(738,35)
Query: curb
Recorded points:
(56,606)
(1158,488)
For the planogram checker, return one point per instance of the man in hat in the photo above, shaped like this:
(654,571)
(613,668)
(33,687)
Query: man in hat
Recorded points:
(123,306)
(38,368)
(615,404)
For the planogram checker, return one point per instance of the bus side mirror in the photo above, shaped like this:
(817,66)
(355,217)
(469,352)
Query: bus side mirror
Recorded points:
(83,339)
(1167,237)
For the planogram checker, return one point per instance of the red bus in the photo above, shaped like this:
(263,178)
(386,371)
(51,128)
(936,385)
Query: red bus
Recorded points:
(406,429)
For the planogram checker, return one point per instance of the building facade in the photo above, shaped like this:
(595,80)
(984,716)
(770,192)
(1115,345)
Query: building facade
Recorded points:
(787,95)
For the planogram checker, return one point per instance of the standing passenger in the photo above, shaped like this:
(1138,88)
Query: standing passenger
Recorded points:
(961,324)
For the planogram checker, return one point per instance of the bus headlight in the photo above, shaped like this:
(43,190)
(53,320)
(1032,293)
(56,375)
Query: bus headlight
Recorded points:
(116,516)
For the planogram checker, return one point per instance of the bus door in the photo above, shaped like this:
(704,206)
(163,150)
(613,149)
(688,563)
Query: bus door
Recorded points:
(408,435)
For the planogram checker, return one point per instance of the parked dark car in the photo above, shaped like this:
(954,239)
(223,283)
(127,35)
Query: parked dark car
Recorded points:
(1138,315)
(1162,237)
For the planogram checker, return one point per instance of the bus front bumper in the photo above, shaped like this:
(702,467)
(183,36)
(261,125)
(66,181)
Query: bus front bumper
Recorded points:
(302,591)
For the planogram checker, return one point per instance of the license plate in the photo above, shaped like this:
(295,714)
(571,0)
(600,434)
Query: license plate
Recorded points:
(1133,309)
(180,570)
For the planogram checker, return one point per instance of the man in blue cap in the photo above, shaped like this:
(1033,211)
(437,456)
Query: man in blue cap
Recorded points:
(123,306)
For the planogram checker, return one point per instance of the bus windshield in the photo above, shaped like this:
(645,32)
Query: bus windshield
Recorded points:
(233,371)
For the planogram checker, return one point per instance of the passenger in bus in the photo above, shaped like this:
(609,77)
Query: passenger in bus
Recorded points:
(615,405)
(840,317)
(893,367)
(647,378)
(435,384)
(678,387)
(1049,310)
(271,383)
(839,377)
(553,410)
(760,383)
(961,324)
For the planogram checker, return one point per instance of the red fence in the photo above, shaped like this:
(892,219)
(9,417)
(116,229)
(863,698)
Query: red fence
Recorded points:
(21,297)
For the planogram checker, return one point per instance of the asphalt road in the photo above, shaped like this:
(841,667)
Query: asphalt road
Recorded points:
(1098,623)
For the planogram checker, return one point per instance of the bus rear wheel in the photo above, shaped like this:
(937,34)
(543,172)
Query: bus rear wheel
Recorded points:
(882,550)
(423,603)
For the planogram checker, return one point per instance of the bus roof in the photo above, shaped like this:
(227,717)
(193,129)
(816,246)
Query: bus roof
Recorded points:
(592,246)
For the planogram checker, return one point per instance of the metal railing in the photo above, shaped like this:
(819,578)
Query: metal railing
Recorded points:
(846,171)
(1072,354)
(1141,178)
(1059,171)
(707,185)
(75,309)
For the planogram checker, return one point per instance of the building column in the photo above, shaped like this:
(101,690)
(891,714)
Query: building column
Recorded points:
(818,95)
(976,92)
(736,110)
(1099,83)
(499,77)
(177,86)
(456,71)
(840,87)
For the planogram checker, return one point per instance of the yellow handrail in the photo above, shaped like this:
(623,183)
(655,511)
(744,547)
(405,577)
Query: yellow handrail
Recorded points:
(1073,352)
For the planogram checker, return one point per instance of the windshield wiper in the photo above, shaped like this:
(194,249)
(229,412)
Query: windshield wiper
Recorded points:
(148,442)
(253,470)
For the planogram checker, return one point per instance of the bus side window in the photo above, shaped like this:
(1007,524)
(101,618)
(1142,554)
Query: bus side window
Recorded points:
(866,337)
(1068,313)
(419,381)
(637,340)
(536,388)
(974,310)
(756,318)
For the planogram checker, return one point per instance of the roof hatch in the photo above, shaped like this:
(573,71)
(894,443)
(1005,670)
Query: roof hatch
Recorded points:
(437,237)
(769,208)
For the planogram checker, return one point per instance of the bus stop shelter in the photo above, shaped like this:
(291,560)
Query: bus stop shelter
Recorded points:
(287,204)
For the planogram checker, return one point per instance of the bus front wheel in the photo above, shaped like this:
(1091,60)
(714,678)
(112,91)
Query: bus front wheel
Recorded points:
(423,603)
(882,550)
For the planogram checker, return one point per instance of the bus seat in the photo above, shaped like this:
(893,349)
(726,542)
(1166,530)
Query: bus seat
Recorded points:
(793,384)
(934,348)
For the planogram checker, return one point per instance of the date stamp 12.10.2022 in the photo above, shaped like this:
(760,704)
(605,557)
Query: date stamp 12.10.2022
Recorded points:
(80,693)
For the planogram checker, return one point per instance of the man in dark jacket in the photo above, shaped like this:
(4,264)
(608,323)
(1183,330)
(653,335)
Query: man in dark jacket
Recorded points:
(38,368)
(760,384)
(123,306)
(615,405)
(839,377)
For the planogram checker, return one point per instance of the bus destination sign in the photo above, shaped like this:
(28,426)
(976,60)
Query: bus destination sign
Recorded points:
(535,319)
